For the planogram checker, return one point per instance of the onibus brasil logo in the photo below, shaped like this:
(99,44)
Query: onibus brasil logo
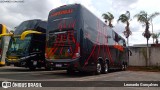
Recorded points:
(7,84)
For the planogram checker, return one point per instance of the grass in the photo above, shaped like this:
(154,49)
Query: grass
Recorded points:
(143,68)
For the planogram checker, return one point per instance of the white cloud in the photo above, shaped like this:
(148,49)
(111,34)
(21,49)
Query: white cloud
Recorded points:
(12,14)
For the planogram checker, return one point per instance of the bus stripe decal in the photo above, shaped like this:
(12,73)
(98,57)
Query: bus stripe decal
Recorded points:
(93,48)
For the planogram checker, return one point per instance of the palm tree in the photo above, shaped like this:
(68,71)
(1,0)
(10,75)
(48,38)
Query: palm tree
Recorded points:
(152,16)
(125,18)
(156,36)
(108,17)
(144,18)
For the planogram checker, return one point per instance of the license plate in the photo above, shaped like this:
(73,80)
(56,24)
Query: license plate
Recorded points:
(34,62)
(58,65)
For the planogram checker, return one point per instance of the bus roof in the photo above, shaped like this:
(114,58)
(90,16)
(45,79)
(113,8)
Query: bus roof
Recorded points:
(30,24)
(65,9)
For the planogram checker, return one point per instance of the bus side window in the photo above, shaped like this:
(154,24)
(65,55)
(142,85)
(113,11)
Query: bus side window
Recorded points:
(116,38)
(124,43)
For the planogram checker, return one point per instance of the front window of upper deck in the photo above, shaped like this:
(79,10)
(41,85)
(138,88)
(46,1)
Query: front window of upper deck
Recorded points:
(26,25)
(62,23)
(61,37)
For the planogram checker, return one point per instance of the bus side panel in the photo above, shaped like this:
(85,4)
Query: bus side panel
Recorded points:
(96,43)
(92,49)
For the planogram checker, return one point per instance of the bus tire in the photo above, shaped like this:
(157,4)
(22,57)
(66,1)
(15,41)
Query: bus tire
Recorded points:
(32,68)
(8,64)
(98,68)
(70,71)
(123,67)
(105,68)
(47,68)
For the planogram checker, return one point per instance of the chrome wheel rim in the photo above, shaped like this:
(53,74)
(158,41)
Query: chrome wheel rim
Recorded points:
(98,67)
(106,67)
(123,67)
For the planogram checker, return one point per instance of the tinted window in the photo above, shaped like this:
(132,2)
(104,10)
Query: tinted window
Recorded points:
(26,25)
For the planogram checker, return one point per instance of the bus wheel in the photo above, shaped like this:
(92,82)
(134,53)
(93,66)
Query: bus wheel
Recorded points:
(8,64)
(98,68)
(70,71)
(105,68)
(123,67)
(47,69)
(32,68)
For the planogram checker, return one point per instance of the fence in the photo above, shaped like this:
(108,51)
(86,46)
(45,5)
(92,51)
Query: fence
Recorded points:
(139,56)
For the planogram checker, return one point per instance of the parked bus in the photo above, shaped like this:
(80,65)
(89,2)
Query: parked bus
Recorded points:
(27,45)
(78,41)
(4,41)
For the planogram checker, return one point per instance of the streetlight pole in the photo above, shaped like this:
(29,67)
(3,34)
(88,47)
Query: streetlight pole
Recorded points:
(152,30)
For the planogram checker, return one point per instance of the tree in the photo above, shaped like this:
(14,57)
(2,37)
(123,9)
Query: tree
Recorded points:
(155,36)
(144,18)
(125,18)
(152,16)
(108,17)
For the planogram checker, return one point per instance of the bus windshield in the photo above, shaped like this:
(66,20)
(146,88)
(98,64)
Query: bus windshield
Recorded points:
(18,46)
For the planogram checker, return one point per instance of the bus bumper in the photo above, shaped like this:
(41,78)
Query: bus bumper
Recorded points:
(63,63)
(16,62)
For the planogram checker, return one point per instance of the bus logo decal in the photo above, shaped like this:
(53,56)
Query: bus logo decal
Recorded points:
(68,11)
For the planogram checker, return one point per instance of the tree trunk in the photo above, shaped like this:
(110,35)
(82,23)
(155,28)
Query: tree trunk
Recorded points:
(152,30)
(147,54)
(156,41)
(110,23)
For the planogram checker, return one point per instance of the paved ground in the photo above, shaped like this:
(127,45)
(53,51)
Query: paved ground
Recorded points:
(9,73)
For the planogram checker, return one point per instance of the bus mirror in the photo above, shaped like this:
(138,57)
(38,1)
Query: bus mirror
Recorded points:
(3,29)
(130,52)
(24,34)
(6,34)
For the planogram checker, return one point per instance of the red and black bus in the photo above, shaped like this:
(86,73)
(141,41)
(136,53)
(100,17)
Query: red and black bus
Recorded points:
(78,40)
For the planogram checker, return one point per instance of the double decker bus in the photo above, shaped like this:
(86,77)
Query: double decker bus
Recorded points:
(27,45)
(78,41)
(4,41)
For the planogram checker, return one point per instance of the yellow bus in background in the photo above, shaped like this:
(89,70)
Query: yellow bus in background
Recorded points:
(4,42)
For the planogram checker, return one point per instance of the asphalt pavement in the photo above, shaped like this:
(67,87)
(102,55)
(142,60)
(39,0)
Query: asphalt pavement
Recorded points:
(11,73)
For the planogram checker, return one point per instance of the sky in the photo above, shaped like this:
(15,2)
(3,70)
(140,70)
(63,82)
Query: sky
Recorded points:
(13,13)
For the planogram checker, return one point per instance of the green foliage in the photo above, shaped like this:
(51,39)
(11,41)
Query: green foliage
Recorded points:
(155,35)
(108,16)
(144,18)
(124,18)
